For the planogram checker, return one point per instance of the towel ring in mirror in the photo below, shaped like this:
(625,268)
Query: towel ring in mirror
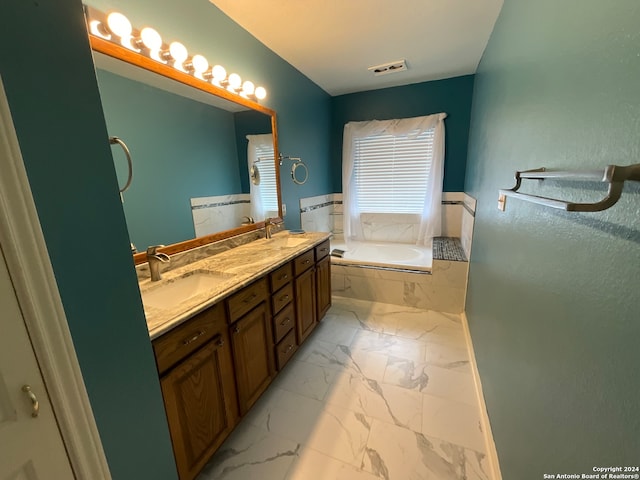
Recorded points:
(303,173)
(118,141)
(254,174)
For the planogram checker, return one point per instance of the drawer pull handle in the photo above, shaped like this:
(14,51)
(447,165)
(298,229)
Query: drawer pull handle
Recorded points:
(251,298)
(194,338)
(289,348)
(285,322)
(283,276)
(284,298)
(324,249)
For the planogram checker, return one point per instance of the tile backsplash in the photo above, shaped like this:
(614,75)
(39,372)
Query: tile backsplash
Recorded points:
(324,213)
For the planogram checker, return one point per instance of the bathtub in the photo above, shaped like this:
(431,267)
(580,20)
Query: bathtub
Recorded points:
(383,255)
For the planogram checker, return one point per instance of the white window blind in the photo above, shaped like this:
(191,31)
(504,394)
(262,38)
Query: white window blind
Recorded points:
(267,169)
(391,172)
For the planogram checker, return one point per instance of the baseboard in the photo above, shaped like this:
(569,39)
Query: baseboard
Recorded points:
(492,454)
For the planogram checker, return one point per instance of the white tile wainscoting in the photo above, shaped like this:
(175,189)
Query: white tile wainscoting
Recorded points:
(377,391)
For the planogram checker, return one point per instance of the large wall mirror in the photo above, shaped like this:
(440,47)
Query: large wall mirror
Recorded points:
(203,159)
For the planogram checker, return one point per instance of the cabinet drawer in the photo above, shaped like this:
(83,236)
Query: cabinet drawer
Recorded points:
(283,322)
(173,346)
(303,262)
(285,349)
(282,297)
(280,277)
(246,299)
(322,250)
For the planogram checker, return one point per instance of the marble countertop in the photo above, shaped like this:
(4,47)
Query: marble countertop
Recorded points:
(233,269)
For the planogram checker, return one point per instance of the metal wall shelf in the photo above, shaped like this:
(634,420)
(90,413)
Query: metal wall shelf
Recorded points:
(614,175)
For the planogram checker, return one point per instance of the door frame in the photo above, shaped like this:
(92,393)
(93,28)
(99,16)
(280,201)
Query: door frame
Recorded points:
(37,292)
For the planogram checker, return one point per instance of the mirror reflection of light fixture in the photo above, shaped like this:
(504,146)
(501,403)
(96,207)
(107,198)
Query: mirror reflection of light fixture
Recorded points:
(116,27)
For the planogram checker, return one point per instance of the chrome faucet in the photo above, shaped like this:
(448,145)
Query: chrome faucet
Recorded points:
(155,259)
(267,227)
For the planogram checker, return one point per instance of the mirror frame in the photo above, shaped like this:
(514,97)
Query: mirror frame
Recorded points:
(121,53)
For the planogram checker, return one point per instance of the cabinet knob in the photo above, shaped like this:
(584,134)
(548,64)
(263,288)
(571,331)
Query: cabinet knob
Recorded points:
(286,321)
(236,329)
(283,276)
(306,262)
(284,297)
(247,300)
(289,348)
(220,341)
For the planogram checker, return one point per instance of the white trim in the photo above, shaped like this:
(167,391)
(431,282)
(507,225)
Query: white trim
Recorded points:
(32,275)
(492,453)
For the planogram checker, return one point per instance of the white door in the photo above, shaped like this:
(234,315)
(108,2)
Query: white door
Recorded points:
(31,447)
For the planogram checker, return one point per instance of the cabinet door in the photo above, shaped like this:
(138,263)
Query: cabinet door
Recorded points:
(305,304)
(253,355)
(200,399)
(323,286)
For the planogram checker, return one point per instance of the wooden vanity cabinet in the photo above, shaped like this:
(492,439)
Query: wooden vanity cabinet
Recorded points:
(252,342)
(198,386)
(323,279)
(305,292)
(284,314)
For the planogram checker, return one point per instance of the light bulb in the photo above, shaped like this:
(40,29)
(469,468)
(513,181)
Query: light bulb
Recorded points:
(260,93)
(248,88)
(200,65)
(179,53)
(219,74)
(235,81)
(119,24)
(153,41)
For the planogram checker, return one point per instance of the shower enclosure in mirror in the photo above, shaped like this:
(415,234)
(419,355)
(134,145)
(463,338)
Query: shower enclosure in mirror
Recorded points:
(203,164)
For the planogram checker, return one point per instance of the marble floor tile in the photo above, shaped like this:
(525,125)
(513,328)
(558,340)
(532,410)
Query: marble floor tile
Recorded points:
(287,414)
(440,382)
(388,403)
(305,379)
(367,364)
(313,465)
(454,422)
(396,453)
(341,434)
(334,331)
(251,453)
(452,358)
(392,345)
(376,391)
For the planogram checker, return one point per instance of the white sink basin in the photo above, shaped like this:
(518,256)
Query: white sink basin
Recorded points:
(176,291)
(285,242)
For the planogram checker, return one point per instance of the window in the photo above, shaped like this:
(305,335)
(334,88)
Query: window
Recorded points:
(267,168)
(391,172)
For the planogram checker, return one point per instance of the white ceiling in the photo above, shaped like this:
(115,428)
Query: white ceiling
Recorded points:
(333,42)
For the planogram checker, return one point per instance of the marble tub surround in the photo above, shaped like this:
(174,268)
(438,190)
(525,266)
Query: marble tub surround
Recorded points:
(235,267)
(223,212)
(443,289)
(468,220)
(377,391)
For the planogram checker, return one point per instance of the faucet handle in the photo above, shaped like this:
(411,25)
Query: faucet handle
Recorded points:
(153,249)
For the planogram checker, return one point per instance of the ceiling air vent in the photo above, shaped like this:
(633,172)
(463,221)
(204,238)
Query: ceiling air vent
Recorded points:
(391,67)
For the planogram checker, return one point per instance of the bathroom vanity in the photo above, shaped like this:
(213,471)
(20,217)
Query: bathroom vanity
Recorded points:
(219,349)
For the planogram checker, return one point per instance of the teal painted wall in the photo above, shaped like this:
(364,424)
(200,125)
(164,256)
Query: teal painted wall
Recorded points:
(53,96)
(553,298)
(303,109)
(452,96)
(181,149)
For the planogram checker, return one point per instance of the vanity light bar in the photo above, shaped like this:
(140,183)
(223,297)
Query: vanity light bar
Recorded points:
(116,28)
